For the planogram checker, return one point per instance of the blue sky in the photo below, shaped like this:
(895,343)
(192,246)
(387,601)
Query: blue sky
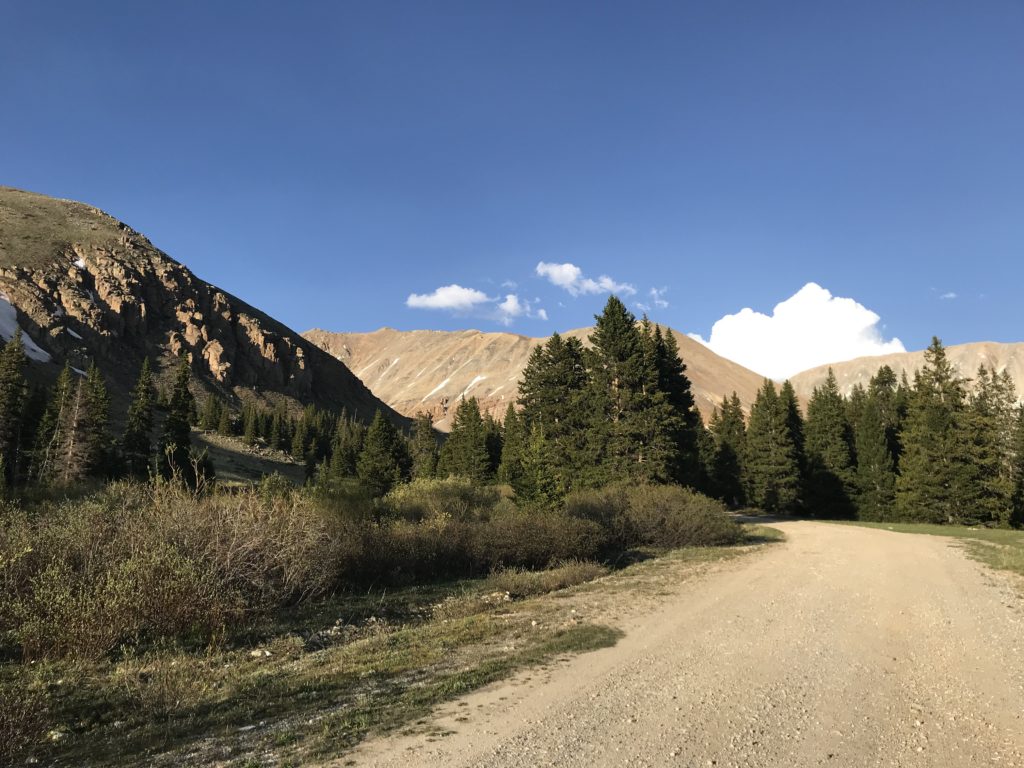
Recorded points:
(327,161)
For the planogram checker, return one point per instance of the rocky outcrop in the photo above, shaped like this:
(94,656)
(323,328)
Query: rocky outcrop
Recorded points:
(87,287)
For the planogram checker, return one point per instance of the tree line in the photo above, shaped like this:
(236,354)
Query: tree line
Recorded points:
(928,451)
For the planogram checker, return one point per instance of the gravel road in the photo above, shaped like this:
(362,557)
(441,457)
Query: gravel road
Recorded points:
(844,646)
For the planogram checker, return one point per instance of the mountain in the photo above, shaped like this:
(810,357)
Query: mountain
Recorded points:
(430,370)
(85,287)
(966,358)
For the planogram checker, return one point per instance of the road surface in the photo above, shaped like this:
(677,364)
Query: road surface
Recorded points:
(845,646)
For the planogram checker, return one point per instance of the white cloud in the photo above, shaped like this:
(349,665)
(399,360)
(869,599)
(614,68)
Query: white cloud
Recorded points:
(810,328)
(643,307)
(658,297)
(451,297)
(949,295)
(571,278)
(463,301)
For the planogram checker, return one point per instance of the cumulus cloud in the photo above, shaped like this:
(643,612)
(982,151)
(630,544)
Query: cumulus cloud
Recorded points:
(451,297)
(571,278)
(810,328)
(469,301)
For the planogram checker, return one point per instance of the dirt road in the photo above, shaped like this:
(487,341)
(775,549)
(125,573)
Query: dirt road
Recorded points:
(844,646)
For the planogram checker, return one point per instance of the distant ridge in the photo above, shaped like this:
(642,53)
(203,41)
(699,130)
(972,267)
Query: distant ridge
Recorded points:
(430,370)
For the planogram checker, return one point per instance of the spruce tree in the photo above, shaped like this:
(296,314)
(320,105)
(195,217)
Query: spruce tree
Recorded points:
(384,461)
(49,436)
(1017,501)
(891,398)
(210,417)
(423,447)
(137,443)
(465,452)
(772,471)
(929,488)
(513,448)
(875,472)
(349,437)
(795,427)
(989,423)
(95,435)
(13,391)
(830,473)
(730,435)
(554,397)
(493,441)
(176,440)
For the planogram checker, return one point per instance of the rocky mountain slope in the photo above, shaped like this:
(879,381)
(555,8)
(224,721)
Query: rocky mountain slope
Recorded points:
(966,358)
(83,286)
(430,370)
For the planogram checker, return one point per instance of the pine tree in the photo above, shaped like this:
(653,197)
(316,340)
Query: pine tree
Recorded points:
(13,391)
(513,448)
(493,441)
(795,427)
(772,471)
(349,437)
(225,426)
(137,443)
(250,424)
(830,474)
(875,473)
(95,435)
(1017,502)
(465,452)
(176,440)
(891,398)
(633,412)
(423,447)
(50,437)
(210,417)
(553,395)
(989,423)
(730,435)
(931,482)
(384,461)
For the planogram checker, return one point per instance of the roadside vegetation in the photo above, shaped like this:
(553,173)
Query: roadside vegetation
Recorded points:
(998,548)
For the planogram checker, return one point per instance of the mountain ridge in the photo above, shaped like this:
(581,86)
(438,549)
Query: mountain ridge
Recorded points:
(84,286)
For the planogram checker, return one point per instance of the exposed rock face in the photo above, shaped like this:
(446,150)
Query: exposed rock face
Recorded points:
(965,358)
(430,370)
(87,287)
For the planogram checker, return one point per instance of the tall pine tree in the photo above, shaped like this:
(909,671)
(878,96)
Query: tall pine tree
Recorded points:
(830,474)
(772,471)
(137,441)
(384,461)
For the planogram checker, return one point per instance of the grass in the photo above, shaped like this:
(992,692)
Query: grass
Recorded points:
(998,548)
(313,682)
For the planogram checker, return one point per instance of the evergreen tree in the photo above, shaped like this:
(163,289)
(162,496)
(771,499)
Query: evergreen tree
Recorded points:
(681,424)
(176,440)
(493,441)
(210,417)
(465,452)
(384,461)
(225,426)
(730,435)
(932,482)
(875,473)
(1017,505)
(632,415)
(95,435)
(891,398)
(989,422)
(50,436)
(795,426)
(772,471)
(830,474)
(423,447)
(540,483)
(137,440)
(513,449)
(13,391)
(349,437)
(250,424)
(553,396)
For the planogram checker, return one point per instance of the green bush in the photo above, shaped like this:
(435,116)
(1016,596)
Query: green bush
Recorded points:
(518,582)
(455,498)
(655,515)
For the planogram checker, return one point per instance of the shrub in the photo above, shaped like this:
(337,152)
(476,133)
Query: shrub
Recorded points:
(655,515)
(519,583)
(456,498)
(670,516)
(24,719)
